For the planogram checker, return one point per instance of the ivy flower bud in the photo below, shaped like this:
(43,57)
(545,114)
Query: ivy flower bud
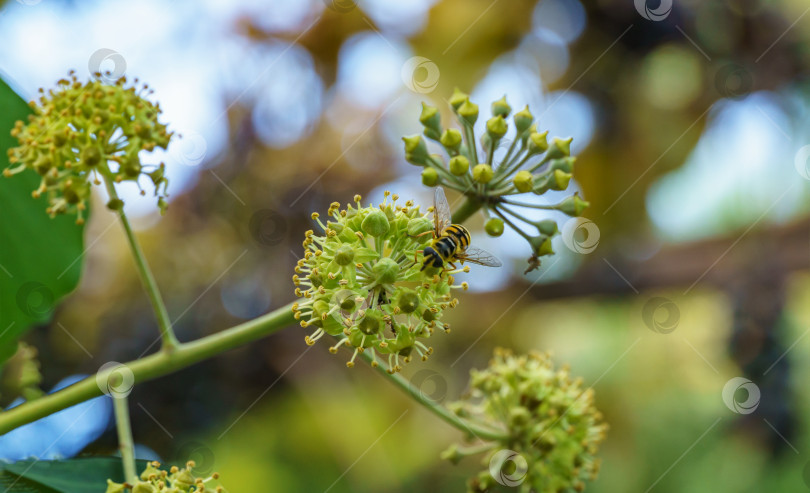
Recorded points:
(559,180)
(451,139)
(468,112)
(82,132)
(376,223)
(496,127)
(430,177)
(501,108)
(458,98)
(482,173)
(494,226)
(541,245)
(573,205)
(559,148)
(416,151)
(378,301)
(431,120)
(538,142)
(547,227)
(523,119)
(526,398)
(459,165)
(523,181)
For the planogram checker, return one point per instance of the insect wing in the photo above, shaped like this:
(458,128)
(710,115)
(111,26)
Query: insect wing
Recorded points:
(478,256)
(441,211)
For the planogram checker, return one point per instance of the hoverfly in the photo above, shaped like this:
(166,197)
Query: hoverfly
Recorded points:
(451,242)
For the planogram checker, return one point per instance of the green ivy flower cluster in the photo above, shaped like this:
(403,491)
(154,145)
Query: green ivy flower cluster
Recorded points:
(83,130)
(361,281)
(176,480)
(550,422)
(532,164)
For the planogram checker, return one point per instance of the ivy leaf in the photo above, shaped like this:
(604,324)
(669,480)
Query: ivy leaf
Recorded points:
(84,475)
(40,258)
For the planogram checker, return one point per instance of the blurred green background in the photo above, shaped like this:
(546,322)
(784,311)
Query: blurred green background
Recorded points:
(690,121)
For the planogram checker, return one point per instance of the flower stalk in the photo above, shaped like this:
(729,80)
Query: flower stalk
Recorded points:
(168,339)
(125,441)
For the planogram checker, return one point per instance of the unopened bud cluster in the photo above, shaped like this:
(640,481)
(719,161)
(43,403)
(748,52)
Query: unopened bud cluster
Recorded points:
(532,164)
(361,281)
(547,418)
(176,480)
(80,132)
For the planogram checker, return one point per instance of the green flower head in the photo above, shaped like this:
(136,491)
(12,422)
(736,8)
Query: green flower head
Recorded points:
(362,281)
(551,427)
(530,165)
(80,131)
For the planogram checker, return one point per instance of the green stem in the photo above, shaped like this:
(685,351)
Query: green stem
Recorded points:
(125,442)
(437,409)
(467,209)
(169,340)
(151,367)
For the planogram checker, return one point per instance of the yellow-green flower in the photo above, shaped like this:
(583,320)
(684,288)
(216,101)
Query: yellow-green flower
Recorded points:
(84,132)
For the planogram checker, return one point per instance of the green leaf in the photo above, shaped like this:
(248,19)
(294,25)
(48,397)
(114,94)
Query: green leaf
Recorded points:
(40,257)
(83,475)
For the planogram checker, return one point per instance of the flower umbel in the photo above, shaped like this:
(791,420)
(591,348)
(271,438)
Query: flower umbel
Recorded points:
(83,130)
(176,480)
(531,164)
(552,425)
(361,281)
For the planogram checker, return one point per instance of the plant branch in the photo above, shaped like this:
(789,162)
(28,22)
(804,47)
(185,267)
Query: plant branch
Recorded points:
(150,367)
(125,442)
(436,408)
(169,340)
